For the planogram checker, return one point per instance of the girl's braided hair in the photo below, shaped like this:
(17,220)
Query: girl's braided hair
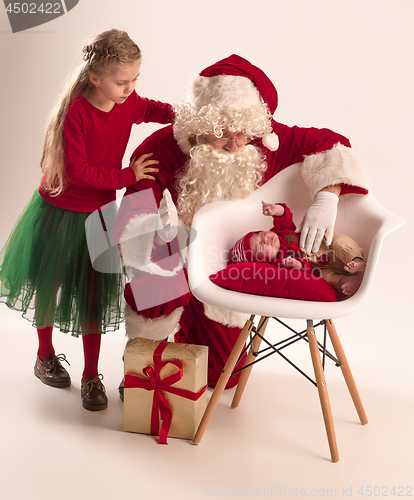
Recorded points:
(102,55)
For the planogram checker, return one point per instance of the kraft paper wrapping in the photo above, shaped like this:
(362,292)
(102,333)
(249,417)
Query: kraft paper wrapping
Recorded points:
(186,414)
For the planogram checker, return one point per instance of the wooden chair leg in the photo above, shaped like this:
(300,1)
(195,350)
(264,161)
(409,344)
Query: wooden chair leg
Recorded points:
(244,377)
(322,391)
(222,381)
(346,371)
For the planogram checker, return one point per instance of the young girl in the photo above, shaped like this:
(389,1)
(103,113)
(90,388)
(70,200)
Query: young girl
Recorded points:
(45,269)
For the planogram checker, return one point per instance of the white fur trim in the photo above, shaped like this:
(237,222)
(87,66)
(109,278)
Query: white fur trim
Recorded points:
(181,138)
(137,239)
(137,243)
(138,326)
(224,91)
(271,141)
(225,317)
(335,166)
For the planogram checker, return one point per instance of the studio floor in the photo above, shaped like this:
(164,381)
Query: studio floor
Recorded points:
(273,445)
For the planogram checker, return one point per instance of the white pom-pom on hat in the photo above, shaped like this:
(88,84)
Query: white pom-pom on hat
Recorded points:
(271,141)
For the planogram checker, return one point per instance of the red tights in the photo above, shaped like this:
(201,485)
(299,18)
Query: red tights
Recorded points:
(91,348)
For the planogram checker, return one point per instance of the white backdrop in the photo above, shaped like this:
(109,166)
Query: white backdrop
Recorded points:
(341,64)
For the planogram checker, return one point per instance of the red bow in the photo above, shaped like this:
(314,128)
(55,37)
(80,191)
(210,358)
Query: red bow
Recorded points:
(155,383)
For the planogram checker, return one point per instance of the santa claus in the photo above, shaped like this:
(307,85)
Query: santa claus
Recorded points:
(223,145)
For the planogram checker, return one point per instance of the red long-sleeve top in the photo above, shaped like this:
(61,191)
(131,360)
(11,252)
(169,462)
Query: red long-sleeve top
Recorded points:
(94,145)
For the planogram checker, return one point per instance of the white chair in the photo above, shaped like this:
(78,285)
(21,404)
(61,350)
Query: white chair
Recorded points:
(219,225)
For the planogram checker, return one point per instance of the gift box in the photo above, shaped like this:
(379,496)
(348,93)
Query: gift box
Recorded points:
(165,388)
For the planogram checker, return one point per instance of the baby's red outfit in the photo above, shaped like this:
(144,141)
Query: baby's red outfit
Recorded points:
(328,262)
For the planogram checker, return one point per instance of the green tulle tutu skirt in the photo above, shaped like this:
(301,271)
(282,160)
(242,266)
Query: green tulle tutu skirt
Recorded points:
(46,270)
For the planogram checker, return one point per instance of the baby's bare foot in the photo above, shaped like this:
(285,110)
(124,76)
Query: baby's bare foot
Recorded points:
(355,266)
(350,284)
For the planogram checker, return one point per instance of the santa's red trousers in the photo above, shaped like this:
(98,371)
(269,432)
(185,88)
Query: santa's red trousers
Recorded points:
(196,328)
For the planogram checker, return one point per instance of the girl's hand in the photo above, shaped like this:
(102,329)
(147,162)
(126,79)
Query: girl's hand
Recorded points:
(141,167)
(272,210)
(292,262)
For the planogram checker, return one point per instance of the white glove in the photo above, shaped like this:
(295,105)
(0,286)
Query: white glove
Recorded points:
(319,218)
(169,218)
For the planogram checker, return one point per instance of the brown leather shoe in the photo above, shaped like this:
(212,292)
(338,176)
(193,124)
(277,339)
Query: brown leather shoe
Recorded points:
(51,372)
(93,394)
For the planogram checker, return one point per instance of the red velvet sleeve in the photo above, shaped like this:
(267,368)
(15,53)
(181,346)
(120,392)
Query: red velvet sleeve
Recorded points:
(284,222)
(150,111)
(165,150)
(297,142)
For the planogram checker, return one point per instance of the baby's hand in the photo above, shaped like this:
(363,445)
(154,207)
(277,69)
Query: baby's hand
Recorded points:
(142,167)
(292,262)
(272,210)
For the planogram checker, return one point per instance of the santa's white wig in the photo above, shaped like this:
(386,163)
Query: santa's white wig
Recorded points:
(231,95)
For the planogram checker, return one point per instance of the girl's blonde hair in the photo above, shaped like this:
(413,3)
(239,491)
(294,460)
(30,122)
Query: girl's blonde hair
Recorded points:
(107,49)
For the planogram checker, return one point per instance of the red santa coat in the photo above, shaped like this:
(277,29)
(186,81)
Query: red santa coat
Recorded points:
(159,273)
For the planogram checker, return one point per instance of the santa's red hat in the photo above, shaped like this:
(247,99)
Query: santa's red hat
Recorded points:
(235,83)
(237,66)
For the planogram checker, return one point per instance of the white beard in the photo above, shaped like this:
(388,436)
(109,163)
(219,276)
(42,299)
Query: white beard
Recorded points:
(213,174)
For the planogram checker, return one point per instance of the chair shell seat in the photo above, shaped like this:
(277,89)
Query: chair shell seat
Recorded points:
(219,225)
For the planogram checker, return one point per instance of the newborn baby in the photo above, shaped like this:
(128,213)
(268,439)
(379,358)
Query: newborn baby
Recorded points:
(341,263)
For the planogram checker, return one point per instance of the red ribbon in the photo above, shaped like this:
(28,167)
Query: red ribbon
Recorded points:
(153,382)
